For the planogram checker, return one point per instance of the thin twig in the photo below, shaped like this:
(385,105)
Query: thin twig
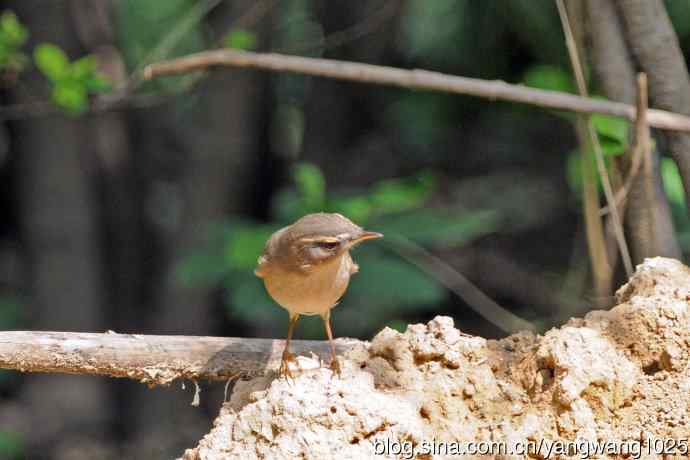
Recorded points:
(150,359)
(641,141)
(646,149)
(414,79)
(598,153)
(454,281)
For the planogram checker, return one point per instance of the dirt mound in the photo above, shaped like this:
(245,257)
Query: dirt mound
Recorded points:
(617,381)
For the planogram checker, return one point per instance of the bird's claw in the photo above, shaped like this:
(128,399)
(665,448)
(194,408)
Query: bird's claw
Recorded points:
(335,366)
(284,370)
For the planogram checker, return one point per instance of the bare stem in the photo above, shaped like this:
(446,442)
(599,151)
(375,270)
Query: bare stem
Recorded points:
(415,79)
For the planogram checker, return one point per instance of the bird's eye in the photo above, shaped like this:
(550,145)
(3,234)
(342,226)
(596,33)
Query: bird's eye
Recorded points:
(330,245)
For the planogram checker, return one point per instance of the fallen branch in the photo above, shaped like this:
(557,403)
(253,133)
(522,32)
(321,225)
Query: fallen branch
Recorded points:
(150,359)
(415,79)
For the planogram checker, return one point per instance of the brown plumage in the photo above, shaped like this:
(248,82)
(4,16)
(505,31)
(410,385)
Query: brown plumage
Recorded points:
(306,268)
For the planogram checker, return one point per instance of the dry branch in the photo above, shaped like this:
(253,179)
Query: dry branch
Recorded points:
(415,79)
(151,359)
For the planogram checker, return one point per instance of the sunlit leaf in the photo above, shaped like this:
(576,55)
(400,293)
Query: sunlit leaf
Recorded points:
(51,61)
(70,95)
(549,77)
(612,148)
(12,32)
(83,68)
(614,128)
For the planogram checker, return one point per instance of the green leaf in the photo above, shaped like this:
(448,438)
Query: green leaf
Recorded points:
(614,128)
(83,68)
(11,445)
(71,96)
(240,39)
(611,148)
(673,184)
(12,32)
(98,84)
(549,77)
(311,185)
(51,61)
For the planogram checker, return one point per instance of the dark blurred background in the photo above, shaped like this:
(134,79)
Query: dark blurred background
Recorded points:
(142,207)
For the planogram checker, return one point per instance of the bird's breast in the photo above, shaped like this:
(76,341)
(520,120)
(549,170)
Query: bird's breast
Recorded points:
(312,293)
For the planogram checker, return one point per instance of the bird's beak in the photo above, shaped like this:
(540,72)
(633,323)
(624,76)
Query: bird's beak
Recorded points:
(368,236)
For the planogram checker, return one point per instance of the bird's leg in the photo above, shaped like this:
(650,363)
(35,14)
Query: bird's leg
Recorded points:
(335,365)
(287,356)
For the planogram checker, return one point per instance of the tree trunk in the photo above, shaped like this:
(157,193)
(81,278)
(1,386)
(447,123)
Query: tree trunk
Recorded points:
(655,46)
(614,66)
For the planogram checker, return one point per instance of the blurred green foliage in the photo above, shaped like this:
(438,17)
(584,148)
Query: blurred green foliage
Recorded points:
(387,285)
(13,35)
(71,82)
(11,445)
(155,30)
(673,186)
(12,316)
(548,77)
(614,137)
(613,132)
(11,308)
(240,39)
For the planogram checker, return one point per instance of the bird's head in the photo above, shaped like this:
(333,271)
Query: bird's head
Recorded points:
(318,238)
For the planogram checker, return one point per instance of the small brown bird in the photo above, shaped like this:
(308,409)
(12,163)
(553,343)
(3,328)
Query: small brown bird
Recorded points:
(306,268)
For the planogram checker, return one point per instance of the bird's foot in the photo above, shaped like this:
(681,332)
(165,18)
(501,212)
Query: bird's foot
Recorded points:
(335,366)
(284,370)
